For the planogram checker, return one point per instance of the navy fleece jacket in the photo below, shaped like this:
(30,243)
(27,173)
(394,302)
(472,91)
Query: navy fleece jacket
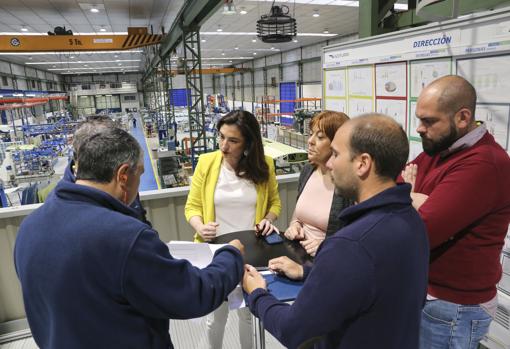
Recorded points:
(368,283)
(94,276)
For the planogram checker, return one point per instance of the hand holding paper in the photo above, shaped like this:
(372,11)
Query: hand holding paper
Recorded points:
(252,279)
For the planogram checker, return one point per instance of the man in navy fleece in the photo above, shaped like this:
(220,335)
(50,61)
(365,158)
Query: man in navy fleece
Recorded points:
(95,124)
(94,276)
(368,283)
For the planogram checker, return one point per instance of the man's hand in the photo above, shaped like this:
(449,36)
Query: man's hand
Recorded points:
(237,244)
(311,245)
(252,279)
(409,175)
(295,231)
(286,266)
(418,200)
(208,231)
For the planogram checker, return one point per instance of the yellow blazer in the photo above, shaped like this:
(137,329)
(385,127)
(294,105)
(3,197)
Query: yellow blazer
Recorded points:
(200,200)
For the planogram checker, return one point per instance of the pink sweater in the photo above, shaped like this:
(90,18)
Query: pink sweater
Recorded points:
(469,201)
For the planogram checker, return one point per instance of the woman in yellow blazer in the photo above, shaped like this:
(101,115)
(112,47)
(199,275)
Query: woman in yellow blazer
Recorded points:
(233,189)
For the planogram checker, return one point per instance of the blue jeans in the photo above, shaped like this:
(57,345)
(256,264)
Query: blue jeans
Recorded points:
(446,325)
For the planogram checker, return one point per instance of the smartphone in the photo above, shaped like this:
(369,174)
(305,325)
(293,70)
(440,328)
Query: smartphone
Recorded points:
(273,238)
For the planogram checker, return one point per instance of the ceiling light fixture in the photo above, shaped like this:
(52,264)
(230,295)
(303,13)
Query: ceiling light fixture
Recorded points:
(102,29)
(295,40)
(254,53)
(94,9)
(243,11)
(236,48)
(326,31)
(316,13)
(203,40)
(219,28)
(24,29)
(223,53)
(277,26)
(253,40)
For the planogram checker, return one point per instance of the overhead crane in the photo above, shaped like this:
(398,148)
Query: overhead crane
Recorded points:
(136,37)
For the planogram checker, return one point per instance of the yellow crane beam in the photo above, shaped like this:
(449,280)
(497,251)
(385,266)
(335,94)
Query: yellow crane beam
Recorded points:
(43,43)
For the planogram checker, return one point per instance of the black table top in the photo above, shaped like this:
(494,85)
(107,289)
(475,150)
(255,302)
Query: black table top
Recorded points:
(258,252)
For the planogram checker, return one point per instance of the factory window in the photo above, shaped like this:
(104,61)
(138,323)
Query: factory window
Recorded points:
(130,98)
(33,83)
(4,81)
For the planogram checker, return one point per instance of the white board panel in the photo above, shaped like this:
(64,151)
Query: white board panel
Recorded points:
(335,105)
(489,75)
(358,106)
(361,81)
(415,149)
(396,109)
(424,72)
(413,120)
(495,118)
(391,79)
(335,83)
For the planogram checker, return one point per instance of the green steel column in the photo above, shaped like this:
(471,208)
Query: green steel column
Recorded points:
(368,18)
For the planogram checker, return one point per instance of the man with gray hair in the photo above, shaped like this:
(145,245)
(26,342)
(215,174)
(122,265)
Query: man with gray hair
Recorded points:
(368,282)
(95,276)
(95,124)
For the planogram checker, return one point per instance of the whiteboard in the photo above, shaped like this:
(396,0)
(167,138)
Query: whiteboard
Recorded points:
(358,106)
(361,81)
(415,149)
(391,79)
(424,72)
(413,120)
(335,105)
(489,75)
(396,109)
(335,83)
(496,119)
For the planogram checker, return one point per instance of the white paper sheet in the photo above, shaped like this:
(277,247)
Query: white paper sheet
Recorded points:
(201,255)
(391,79)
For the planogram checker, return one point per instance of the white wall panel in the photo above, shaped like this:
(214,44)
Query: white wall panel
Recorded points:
(291,73)
(30,72)
(22,84)
(292,55)
(273,59)
(259,62)
(273,73)
(312,71)
(40,74)
(312,91)
(312,51)
(18,70)
(259,77)
(207,81)
(4,67)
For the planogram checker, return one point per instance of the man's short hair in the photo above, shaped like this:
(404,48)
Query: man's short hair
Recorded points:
(104,152)
(91,126)
(384,139)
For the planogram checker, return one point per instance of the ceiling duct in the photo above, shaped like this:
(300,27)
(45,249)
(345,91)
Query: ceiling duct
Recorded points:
(277,26)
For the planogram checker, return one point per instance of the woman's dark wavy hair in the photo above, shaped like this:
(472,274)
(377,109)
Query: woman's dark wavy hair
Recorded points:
(252,166)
